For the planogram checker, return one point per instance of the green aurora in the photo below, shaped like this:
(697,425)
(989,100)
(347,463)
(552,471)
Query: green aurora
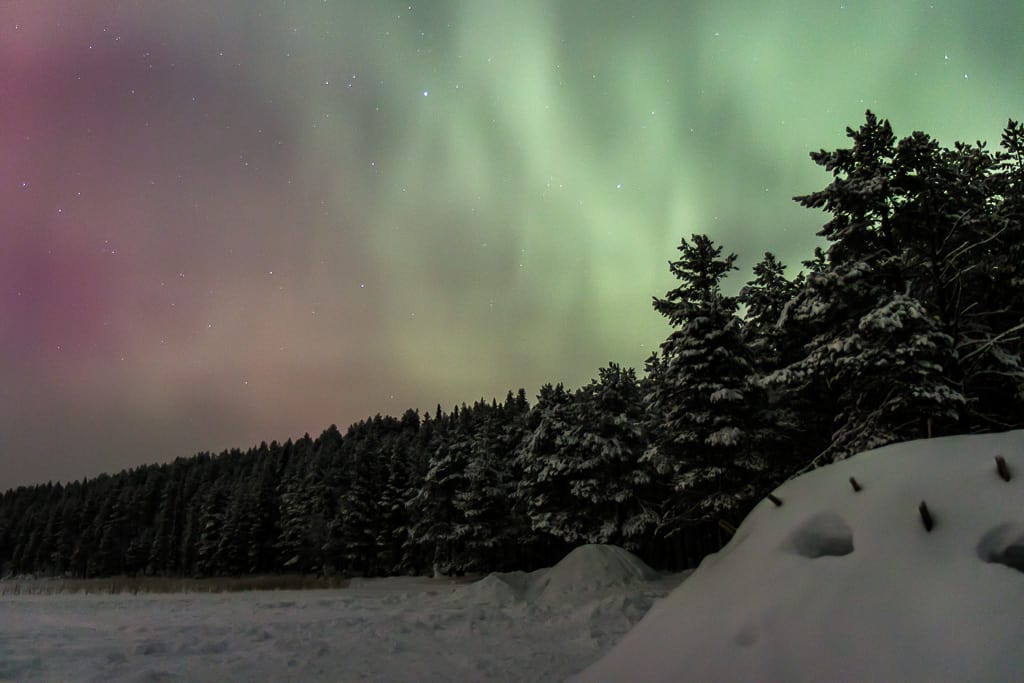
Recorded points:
(244,221)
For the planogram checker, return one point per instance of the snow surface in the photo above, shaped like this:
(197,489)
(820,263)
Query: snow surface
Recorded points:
(537,626)
(844,585)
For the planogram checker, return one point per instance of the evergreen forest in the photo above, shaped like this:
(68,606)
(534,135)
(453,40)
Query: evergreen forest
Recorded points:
(908,324)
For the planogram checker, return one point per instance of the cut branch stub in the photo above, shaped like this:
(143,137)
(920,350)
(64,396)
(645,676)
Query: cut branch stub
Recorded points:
(1002,468)
(775,499)
(855,484)
(926,516)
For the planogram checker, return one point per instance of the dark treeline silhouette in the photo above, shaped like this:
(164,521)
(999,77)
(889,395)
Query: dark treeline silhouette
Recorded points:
(908,325)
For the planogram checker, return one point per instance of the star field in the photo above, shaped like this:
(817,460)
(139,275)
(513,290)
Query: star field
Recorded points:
(229,222)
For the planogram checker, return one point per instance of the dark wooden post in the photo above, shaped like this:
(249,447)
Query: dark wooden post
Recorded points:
(1002,468)
(926,516)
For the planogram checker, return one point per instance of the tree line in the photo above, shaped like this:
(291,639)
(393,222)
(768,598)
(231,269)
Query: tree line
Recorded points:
(908,325)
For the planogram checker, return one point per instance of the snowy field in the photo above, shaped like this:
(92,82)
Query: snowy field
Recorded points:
(542,626)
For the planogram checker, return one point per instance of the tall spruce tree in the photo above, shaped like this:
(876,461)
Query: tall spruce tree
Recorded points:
(783,429)
(873,317)
(609,438)
(485,503)
(877,359)
(544,490)
(701,403)
(439,525)
(765,297)
(1009,271)
(399,461)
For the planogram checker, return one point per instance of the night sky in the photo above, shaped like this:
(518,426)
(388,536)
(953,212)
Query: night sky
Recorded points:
(227,222)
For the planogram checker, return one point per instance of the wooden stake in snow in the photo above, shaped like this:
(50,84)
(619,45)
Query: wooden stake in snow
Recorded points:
(856,486)
(926,516)
(1002,468)
(775,499)
(726,527)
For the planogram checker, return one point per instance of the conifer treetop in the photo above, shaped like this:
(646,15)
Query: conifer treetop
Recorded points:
(700,271)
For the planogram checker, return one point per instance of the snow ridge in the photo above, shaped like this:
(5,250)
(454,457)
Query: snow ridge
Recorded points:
(845,582)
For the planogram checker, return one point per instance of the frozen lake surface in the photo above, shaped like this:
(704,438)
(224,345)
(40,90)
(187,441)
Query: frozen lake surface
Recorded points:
(542,626)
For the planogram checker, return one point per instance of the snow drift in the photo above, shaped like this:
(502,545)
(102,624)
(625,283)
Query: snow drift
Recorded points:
(840,584)
(587,572)
(587,569)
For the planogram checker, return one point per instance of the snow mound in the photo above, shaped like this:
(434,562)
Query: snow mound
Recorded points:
(582,574)
(846,584)
(587,569)
(493,589)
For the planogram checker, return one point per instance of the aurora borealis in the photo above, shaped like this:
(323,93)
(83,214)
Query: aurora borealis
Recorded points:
(227,222)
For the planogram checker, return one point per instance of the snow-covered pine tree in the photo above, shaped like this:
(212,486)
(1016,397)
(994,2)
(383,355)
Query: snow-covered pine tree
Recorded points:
(399,463)
(212,511)
(802,405)
(873,350)
(518,532)
(581,481)
(949,253)
(860,198)
(700,403)
(485,503)
(108,556)
(301,522)
(543,490)
(996,359)
(197,480)
(260,526)
(30,529)
(611,484)
(1011,271)
(352,535)
(882,361)
(764,299)
(69,529)
(231,556)
(146,485)
(437,528)
(782,419)
(418,548)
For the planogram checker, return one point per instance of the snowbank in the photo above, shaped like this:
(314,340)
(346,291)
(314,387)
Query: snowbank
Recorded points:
(493,589)
(838,584)
(588,569)
(586,574)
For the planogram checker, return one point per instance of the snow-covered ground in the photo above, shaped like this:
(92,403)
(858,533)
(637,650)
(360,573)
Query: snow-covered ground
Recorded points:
(841,585)
(542,626)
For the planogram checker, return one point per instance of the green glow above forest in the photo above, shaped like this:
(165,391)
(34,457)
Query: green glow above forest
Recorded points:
(235,223)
